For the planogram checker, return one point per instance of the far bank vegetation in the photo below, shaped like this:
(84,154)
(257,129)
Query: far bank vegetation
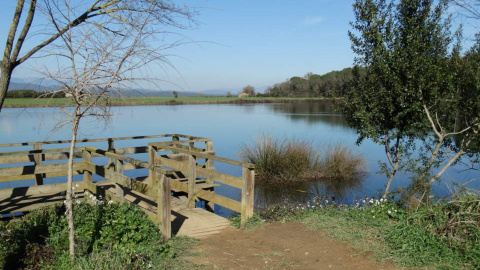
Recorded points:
(292,160)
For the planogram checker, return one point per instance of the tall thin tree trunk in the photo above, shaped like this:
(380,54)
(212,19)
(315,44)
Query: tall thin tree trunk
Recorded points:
(390,179)
(69,199)
(393,164)
(5,76)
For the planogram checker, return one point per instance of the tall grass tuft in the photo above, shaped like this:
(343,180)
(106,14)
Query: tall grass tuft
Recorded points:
(297,160)
(276,159)
(341,163)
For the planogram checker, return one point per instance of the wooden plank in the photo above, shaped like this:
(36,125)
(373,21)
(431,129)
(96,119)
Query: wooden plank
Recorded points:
(38,158)
(164,207)
(209,196)
(87,158)
(45,157)
(28,152)
(202,172)
(134,161)
(77,171)
(203,155)
(248,178)
(94,140)
(119,188)
(32,169)
(132,150)
(220,177)
(176,165)
(192,176)
(123,180)
(36,190)
(218,199)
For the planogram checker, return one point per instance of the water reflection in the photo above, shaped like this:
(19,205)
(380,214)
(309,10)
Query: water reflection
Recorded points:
(267,194)
(311,112)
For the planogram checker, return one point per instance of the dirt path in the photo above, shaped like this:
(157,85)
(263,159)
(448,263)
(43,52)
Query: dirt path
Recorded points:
(282,246)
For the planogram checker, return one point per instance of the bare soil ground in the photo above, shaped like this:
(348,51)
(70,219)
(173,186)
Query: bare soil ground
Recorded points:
(282,246)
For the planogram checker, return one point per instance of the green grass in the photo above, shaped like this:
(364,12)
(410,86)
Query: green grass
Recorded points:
(57,102)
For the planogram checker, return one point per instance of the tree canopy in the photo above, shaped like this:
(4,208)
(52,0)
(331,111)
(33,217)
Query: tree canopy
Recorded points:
(414,85)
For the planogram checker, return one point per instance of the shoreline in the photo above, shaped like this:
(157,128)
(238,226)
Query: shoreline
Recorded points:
(115,102)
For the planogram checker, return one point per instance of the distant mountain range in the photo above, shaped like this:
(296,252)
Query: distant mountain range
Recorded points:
(45,85)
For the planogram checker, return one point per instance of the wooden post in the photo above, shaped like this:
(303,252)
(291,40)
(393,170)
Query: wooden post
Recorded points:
(152,153)
(209,162)
(248,190)
(38,158)
(111,148)
(192,176)
(210,206)
(175,139)
(164,205)
(118,188)
(87,175)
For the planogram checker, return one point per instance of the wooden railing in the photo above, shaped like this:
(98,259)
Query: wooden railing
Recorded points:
(178,154)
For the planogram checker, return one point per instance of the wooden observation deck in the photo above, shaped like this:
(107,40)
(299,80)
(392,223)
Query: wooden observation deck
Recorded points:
(177,174)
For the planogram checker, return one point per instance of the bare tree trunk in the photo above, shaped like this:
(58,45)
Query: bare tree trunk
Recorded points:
(69,199)
(5,76)
(393,164)
(390,179)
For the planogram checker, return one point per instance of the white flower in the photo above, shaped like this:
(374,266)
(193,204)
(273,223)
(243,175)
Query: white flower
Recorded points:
(110,202)
(77,185)
(78,202)
(389,212)
(65,202)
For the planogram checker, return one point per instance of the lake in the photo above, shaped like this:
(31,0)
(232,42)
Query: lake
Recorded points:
(230,126)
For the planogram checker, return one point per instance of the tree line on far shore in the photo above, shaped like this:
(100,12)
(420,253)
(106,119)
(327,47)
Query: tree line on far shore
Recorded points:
(23,93)
(331,84)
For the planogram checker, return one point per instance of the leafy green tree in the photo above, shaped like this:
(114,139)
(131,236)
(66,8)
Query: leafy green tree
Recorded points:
(408,90)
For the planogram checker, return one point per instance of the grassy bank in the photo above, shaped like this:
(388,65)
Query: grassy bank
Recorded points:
(444,235)
(143,101)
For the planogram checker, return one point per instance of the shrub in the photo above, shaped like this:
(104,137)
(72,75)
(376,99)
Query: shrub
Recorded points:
(121,232)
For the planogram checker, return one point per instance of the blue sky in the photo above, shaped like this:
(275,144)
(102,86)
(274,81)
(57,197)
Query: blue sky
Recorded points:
(247,42)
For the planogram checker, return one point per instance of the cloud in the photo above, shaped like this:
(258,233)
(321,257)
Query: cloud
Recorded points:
(309,21)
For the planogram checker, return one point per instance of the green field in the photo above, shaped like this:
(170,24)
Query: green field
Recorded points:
(61,102)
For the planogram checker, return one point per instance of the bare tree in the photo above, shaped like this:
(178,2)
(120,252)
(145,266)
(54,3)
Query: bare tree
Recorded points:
(110,15)
(94,59)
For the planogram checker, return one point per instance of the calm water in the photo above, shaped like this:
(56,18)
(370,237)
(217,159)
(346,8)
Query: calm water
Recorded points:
(230,126)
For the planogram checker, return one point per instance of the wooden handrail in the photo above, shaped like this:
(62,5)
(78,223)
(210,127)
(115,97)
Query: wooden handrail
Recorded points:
(107,139)
(204,155)
(133,161)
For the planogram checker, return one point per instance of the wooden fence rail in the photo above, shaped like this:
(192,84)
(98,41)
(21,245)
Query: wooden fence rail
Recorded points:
(176,170)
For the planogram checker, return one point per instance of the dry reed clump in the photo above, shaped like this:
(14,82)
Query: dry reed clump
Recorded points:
(341,163)
(291,160)
(276,159)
